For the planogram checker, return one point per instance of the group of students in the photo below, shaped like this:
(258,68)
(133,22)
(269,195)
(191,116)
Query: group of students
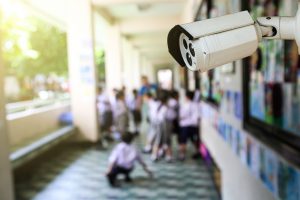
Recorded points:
(115,113)
(167,117)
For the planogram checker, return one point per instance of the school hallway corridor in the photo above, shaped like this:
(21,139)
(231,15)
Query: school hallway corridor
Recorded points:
(77,172)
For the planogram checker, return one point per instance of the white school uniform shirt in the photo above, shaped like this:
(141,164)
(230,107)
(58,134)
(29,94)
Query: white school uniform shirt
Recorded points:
(120,108)
(103,104)
(152,110)
(161,114)
(171,112)
(189,114)
(124,155)
(132,103)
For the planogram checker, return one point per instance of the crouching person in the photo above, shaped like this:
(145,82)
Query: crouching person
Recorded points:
(122,160)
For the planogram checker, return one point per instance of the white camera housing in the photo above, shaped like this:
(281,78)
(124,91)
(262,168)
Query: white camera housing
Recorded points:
(206,44)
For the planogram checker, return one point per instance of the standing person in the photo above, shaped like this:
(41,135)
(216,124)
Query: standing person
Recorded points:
(134,108)
(189,119)
(152,105)
(147,87)
(174,105)
(160,124)
(171,123)
(122,160)
(121,114)
(105,114)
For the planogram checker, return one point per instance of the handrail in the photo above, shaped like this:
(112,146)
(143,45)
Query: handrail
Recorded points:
(28,152)
(34,104)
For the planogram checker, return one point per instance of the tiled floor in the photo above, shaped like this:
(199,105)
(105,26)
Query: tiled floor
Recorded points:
(77,173)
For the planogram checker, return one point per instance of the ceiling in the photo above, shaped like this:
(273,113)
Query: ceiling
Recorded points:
(145,23)
(133,10)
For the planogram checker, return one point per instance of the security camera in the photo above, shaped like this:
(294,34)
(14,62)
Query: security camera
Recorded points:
(210,43)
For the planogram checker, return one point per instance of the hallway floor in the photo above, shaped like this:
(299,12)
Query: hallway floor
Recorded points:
(76,172)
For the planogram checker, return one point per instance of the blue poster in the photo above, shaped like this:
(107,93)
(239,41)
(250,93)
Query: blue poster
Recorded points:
(255,164)
(288,182)
(243,148)
(228,135)
(257,100)
(238,100)
(235,141)
(271,171)
(262,160)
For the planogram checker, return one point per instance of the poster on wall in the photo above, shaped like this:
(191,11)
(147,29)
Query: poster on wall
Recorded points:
(255,164)
(236,141)
(288,184)
(222,128)
(274,71)
(257,103)
(238,107)
(243,148)
(262,167)
(271,80)
(271,171)
(249,146)
(228,136)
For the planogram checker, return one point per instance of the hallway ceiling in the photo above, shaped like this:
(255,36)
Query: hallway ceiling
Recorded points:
(144,22)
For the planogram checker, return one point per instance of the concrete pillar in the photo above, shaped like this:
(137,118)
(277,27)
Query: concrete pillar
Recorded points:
(113,58)
(147,69)
(82,68)
(131,63)
(6,185)
(136,72)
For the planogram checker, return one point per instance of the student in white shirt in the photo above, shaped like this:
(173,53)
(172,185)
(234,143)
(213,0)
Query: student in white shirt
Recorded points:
(152,105)
(121,114)
(171,116)
(105,113)
(160,123)
(174,104)
(188,122)
(122,160)
(134,107)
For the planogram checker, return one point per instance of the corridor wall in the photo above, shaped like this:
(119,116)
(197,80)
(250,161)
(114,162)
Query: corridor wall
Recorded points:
(251,169)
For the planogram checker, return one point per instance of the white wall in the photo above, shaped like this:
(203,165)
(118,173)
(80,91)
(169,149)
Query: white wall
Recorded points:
(26,125)
(237,181)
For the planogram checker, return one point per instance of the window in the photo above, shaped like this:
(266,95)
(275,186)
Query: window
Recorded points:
(35,58)
(272,81)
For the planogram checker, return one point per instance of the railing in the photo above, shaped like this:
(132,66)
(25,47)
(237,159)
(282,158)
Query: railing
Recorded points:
(36,148)
(22,106)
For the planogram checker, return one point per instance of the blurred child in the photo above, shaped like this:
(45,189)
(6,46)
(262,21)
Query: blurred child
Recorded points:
(160,123)
(189,119)
(173,103)
(151,117)
(171,122)
(105,114)
(121,114)
(133,105)
(122,160)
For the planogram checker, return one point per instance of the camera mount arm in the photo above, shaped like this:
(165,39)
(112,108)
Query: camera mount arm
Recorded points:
(285,28)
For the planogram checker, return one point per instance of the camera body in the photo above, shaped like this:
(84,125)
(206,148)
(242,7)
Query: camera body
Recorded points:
(203,45)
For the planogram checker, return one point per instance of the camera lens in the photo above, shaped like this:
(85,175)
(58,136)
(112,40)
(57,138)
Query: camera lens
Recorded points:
(189,59)
(185,44)
(192,49)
